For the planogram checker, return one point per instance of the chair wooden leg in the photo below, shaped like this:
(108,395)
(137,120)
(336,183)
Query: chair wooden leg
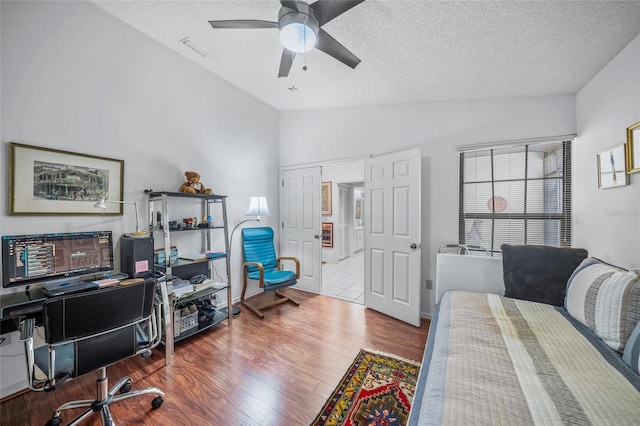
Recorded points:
(279,298)
(243,302)
(255,311)
(294,301)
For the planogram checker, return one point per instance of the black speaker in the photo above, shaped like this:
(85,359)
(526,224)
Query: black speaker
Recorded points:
(136,256)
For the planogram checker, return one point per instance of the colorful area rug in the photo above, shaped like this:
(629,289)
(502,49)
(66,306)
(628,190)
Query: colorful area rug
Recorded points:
(377,390)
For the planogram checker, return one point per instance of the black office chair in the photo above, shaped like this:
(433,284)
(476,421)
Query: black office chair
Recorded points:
(87,332)
(261,264)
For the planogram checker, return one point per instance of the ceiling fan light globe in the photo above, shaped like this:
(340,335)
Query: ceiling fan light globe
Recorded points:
(297,37)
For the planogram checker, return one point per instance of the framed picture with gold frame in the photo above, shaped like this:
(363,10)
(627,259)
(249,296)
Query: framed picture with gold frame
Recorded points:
(326,198)
(47,181)
(612,171)
(633,148)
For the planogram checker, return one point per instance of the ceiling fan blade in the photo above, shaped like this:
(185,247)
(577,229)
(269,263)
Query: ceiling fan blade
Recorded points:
(290,4)
(326,10)
(331,47)
(243,23)
(286,62)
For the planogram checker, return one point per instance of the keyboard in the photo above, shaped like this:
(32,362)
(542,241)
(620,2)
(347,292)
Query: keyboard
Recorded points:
(59,289)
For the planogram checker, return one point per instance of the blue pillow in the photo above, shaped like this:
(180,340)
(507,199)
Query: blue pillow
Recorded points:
(631,354)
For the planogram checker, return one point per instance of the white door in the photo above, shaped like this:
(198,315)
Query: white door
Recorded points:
(300,218)
(392,235)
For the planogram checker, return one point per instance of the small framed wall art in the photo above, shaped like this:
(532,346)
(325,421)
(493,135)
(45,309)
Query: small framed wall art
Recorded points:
(47,181)
(633,148)
(612,168)
(326,198)
(327,234)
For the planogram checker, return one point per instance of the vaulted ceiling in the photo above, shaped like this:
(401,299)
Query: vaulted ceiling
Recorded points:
(411,51)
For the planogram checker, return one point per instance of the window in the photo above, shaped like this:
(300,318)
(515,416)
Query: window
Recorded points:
(516,195)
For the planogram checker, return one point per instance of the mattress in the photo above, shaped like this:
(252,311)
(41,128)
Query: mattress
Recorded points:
(492,360)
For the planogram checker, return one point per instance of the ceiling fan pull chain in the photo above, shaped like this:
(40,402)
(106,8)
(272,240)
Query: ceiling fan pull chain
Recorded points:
(304,41)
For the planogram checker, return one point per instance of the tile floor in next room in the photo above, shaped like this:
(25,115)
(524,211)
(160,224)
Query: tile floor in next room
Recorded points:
(345,279)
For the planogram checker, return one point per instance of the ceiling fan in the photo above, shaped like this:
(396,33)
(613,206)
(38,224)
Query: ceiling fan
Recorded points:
(300,30)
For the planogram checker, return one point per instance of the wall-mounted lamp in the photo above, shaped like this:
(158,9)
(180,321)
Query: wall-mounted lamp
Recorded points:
(102,204)
(257,207)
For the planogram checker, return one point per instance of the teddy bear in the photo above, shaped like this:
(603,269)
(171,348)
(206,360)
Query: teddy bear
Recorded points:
(193,185)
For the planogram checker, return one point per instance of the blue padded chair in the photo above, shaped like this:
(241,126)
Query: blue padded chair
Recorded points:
(87,332)
(261,264)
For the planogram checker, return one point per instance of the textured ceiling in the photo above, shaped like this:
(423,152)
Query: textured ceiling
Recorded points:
(411,51)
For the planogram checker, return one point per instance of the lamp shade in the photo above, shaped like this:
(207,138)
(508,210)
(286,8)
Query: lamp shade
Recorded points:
(258,207)
(101,204)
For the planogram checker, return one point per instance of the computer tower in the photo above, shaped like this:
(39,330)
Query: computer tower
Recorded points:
(136,256)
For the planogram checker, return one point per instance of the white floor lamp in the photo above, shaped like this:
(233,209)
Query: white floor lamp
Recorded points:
(257,207)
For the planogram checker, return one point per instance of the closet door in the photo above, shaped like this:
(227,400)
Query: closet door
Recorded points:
(300,214)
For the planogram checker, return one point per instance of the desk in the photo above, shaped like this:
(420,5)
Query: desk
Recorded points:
(18,305)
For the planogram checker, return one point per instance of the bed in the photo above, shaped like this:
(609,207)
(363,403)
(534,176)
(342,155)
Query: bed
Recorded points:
(493,360)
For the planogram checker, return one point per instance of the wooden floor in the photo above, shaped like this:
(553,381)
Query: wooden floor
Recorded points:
(276,371)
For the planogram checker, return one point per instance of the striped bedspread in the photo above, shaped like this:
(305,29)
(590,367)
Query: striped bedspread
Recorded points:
(492,360)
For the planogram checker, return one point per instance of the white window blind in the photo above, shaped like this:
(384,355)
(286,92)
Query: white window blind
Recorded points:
(516,194)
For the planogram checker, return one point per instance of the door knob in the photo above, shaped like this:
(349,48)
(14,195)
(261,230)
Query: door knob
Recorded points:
(413,246)
(317,237)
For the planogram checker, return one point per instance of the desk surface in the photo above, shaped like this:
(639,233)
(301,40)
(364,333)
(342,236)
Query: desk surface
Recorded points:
(21,303)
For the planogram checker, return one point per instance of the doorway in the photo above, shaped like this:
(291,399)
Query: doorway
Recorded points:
(345,279)
(343,264)
(391,221)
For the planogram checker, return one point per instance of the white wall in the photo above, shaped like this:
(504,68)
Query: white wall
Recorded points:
(436,128)
(607,221)
(74,78)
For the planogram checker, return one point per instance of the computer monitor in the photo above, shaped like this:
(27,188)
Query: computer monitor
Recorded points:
(39,258)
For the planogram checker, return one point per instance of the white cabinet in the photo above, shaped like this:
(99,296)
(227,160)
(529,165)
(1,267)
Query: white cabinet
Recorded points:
(469,273)
(13,367)
(358,234)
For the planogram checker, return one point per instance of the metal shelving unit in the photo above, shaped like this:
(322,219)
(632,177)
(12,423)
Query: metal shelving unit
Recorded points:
(159,203)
